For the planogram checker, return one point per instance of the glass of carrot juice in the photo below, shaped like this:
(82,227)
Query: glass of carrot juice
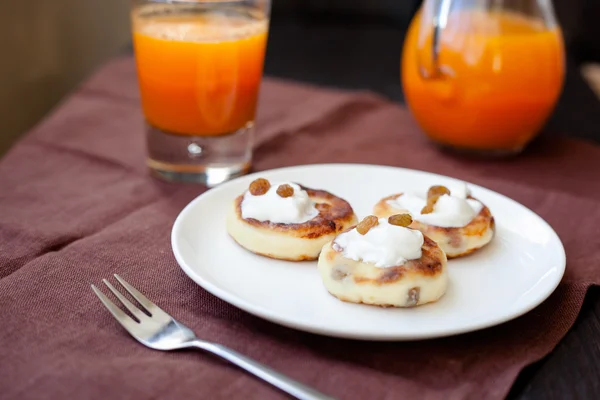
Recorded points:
(199,66)
(483,76)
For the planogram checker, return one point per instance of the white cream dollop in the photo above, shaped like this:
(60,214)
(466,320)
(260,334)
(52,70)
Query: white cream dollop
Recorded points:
(453,211)
(295,209)
(384,245)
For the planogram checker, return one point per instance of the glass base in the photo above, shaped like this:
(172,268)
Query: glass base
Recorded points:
(209,176)
(208,160)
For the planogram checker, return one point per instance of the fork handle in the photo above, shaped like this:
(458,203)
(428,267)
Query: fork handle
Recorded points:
(288,385)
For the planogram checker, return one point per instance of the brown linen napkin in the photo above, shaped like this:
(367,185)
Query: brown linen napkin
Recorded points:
(76,205)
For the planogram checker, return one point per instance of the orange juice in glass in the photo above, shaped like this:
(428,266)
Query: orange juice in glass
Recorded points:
(199,65)
(483,76)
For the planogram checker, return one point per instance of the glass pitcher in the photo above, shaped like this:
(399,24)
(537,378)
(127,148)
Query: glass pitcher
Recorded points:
(483,75)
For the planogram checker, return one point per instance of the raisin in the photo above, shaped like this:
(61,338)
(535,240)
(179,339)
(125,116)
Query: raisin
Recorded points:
(259,187)
(437,191)
(400,220)
(285,190)
(339,273)
(366,224)
(412,297)
(428,209)
(433,194)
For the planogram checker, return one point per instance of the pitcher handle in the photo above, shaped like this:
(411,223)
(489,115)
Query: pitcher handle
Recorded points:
(441,11)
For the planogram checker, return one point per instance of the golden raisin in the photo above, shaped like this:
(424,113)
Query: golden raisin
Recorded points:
(433,194)
(285,190)
(400,220)
(366,224)
(437,191)
(412,298)
(428,209)
(259,187)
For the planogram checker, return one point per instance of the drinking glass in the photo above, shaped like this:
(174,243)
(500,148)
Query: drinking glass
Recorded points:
(199,66)
(483,75)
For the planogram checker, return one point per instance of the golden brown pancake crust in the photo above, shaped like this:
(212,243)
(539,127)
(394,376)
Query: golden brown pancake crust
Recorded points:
(477,227)
(430,264)
(335,215)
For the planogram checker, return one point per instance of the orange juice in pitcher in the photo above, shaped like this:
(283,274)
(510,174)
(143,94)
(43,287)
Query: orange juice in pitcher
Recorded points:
(482,75)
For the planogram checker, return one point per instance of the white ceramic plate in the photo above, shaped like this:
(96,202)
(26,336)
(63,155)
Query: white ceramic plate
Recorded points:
(513,274)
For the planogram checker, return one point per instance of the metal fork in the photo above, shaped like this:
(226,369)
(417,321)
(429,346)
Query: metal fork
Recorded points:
(160,331)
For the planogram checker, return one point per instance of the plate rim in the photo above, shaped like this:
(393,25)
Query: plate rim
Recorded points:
(267,314)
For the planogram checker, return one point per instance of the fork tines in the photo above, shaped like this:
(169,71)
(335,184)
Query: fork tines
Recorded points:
(125,320)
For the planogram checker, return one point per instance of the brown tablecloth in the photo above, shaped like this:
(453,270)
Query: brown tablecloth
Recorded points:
(77,205)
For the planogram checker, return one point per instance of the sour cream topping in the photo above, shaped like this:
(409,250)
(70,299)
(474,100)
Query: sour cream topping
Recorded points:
(384,245)
(270,206)
(450,211)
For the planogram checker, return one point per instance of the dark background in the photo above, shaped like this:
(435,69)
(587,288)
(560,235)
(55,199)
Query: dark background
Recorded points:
(356,44)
